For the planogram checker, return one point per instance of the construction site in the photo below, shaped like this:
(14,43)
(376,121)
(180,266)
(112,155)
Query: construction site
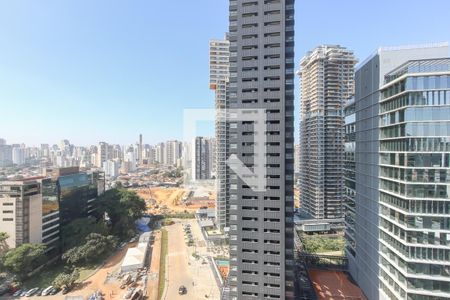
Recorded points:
(171,200)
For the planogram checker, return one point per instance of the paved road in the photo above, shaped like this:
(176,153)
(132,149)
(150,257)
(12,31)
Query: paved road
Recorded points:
(177,272)
(183,269)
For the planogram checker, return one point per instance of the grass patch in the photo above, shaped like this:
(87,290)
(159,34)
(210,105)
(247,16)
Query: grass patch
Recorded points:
(45,277)
(182,215)
(322,244)
(162,262)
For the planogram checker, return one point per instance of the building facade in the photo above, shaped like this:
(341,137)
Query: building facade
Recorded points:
(414,115)
(261,35)
(369,78)
(201,157)
(219,74)
(349,178)
(27,215)
(327,81)
(173,152)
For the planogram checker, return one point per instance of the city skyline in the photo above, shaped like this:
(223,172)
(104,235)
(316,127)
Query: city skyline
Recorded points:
(114,86)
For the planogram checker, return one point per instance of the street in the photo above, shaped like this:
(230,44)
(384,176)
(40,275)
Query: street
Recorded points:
(183,269)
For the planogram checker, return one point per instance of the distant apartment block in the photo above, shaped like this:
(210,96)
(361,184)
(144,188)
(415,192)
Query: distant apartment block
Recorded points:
(201,158)
(401,143)
(172,152)
(5,155)
(327,81)
(160,153)
(111,168)
(219,73)
(18,155)
(104,153)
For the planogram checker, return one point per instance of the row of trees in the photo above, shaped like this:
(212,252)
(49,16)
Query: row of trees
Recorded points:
(83,241)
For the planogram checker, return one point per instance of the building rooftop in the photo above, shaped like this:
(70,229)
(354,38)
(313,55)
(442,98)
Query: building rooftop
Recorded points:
(419,66)
(400,48)
(21,181)
(334,285)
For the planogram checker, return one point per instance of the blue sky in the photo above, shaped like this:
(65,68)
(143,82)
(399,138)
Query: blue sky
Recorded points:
(91,70)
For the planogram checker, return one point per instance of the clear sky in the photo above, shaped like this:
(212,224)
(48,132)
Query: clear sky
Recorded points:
(91,70)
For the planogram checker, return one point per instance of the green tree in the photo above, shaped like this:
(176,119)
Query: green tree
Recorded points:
(123,207)
(94,247)
(66,279)
(3,248)
(74,233)
(24,259)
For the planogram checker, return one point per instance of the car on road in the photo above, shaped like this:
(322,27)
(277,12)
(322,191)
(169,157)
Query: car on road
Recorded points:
(182,290)
(32,292)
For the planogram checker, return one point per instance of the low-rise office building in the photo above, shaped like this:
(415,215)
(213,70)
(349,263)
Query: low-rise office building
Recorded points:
(32,210)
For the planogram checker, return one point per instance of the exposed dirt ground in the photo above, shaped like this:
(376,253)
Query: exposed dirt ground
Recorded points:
(334,285)
(162,200)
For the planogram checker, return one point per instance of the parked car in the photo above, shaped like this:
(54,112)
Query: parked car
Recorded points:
(39,292)
(3,290)
(47,291)
(18,292)
(32,292)
(24,292)
(55,291)
(182,290)
(65,290)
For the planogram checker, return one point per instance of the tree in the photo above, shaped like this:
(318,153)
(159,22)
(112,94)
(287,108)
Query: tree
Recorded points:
(3,236)
(3,247)
(95,246)
(123,207)
(24,259)
(66,279)
(74,233)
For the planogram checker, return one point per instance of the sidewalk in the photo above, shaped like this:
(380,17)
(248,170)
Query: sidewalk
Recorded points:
(153,274)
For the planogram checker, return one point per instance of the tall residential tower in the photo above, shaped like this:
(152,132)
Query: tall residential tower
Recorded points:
(327,77)
(219,73)
(262,79)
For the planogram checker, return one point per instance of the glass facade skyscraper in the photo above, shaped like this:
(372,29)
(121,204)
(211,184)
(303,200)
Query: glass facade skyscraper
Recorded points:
(415,181)
(387,194)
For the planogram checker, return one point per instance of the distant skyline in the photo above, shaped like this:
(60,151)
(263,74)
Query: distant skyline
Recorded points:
(91,71)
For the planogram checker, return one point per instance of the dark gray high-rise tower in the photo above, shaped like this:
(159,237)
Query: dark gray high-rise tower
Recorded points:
(262,79)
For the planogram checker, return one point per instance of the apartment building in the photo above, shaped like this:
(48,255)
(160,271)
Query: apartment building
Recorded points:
(172,152)
(219,73)
(261,35)
(327,81)
(201,158)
